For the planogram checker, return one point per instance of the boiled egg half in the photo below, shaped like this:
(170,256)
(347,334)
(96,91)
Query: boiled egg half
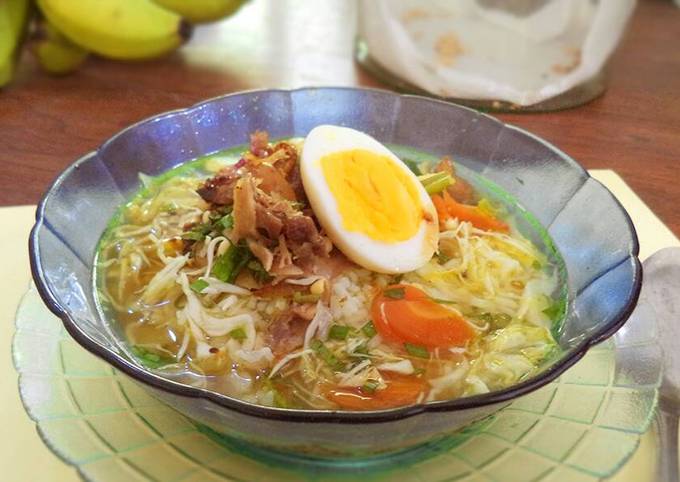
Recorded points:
(373,208)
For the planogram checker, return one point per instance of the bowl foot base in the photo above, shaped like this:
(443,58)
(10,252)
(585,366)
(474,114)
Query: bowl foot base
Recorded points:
(349,463)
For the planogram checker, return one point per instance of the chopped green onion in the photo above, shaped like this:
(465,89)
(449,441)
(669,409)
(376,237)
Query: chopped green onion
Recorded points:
(316,344)
(257,270)
(170,208)
(222,219)
(223,211)
(369,329)
(361,351)
(338,332)
(150,359)
(485,206)
(436,182)
(536,264)
(417,350)
(555,310)
(492,208)
(496,320)
(500,320)
(228,265)
(243,257)
(299,297)
(227,222)
(238,334)
(438,186)
(193,236)
(443,302)
(486,318)
(199,285)
(198,232)
(412,165)
(327,356)
(279,400)
(443,258)
(425,179)
(395,293)
(370,386)
(418,371)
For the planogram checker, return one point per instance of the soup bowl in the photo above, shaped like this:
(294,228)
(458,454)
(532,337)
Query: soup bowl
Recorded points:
(588,227)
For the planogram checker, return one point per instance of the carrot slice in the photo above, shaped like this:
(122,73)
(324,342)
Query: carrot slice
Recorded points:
(448,208)
(405,314)
(402,390)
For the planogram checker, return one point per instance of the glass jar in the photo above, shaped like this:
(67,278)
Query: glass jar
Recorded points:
(530,55)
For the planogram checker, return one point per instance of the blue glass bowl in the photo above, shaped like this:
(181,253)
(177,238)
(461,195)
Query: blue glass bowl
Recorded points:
(590,229)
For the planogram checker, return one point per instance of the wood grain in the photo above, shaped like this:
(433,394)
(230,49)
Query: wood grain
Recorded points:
(46,123)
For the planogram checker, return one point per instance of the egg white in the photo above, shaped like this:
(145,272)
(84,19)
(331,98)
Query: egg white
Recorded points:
(379,256)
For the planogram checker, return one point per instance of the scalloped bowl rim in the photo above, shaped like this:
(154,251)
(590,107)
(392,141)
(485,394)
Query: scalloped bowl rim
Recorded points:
(321,416)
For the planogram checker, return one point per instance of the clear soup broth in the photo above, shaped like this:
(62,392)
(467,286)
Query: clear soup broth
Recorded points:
(297,324)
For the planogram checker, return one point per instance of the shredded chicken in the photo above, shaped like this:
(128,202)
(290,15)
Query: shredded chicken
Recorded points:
(261,253)
(220,189)
(300,228)
(305,311)
(286,332)
(277,167)
(273,181)
(284,290)
(266,193)
(268,221)
(244,210)
(284,272)
(289,165)
(284,258)
(333,265)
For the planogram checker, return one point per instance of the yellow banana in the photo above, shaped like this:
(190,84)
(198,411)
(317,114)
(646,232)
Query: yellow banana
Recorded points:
(120,29)
(201,11)
(55,53)
(14,16)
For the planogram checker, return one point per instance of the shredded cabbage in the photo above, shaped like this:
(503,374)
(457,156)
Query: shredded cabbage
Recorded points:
(499,282)
(492,272)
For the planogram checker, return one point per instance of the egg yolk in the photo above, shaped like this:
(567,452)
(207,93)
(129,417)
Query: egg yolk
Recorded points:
(375,196)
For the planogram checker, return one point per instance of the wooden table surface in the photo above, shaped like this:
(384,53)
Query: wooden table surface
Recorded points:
(46,122)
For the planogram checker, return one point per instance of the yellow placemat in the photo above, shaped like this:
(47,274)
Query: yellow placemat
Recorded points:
(23,456)
(652,233)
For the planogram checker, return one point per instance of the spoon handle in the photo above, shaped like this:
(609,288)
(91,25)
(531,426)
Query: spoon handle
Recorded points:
(667,468)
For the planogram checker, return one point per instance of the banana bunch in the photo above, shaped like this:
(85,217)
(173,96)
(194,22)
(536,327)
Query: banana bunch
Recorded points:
(201,11)
(14,16)
(65,32)
(56,54)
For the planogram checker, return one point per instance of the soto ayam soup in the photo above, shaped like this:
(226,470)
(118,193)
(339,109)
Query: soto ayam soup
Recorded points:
(327,273)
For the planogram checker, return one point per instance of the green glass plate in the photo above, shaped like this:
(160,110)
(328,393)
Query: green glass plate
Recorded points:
(582,427)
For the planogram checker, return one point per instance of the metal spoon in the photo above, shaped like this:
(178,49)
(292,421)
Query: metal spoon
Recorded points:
(661,288)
